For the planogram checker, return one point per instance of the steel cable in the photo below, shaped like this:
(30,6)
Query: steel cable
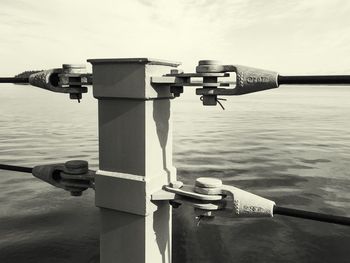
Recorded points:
(16,168)
(340,220)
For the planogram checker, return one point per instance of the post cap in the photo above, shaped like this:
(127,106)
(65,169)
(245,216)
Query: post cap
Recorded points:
(150,61)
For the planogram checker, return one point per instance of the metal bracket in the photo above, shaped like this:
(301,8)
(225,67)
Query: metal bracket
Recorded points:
(248,80)
(213,198)
(177,80)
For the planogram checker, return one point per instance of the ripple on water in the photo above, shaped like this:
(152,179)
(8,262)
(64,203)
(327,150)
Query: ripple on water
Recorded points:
(287,146)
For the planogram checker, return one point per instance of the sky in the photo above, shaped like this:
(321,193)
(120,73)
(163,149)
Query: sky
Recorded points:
(291,37)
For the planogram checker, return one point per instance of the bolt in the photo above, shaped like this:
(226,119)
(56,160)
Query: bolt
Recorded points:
(208,62)
(208,182)
(209,66)
(74,68)
(176,90)
(77,167)
(76,193)
(176,184)
(176,71)
(75,96)
(209,100)
(212,99)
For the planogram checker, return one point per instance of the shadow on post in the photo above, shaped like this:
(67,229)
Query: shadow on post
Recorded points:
(161,116)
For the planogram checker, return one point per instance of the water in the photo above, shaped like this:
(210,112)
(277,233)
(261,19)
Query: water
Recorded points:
(291,145)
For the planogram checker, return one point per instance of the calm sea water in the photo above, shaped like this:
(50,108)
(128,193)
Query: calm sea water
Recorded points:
(291,145)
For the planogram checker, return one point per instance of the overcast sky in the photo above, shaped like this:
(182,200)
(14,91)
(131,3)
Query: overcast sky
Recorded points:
(287,36)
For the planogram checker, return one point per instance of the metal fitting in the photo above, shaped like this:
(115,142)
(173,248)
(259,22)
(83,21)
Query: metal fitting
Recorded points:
(68,79)
(248,80)
(73,176)
(211,198)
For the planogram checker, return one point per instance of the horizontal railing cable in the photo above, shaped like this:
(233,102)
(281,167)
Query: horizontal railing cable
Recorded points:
(14,80)
(278,210)
(315,80)
(16,168)
(341,220)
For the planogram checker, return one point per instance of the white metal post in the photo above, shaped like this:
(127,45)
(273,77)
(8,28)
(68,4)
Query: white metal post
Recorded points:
(135,158)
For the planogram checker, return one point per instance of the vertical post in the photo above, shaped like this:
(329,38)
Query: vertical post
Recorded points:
(135,159)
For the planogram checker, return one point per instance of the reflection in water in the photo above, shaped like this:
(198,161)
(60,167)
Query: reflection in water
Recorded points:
(290,145)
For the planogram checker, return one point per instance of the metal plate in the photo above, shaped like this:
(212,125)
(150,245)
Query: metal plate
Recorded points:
(202,206)
(198,75)
(196,84)
(208,191)
(188,190)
